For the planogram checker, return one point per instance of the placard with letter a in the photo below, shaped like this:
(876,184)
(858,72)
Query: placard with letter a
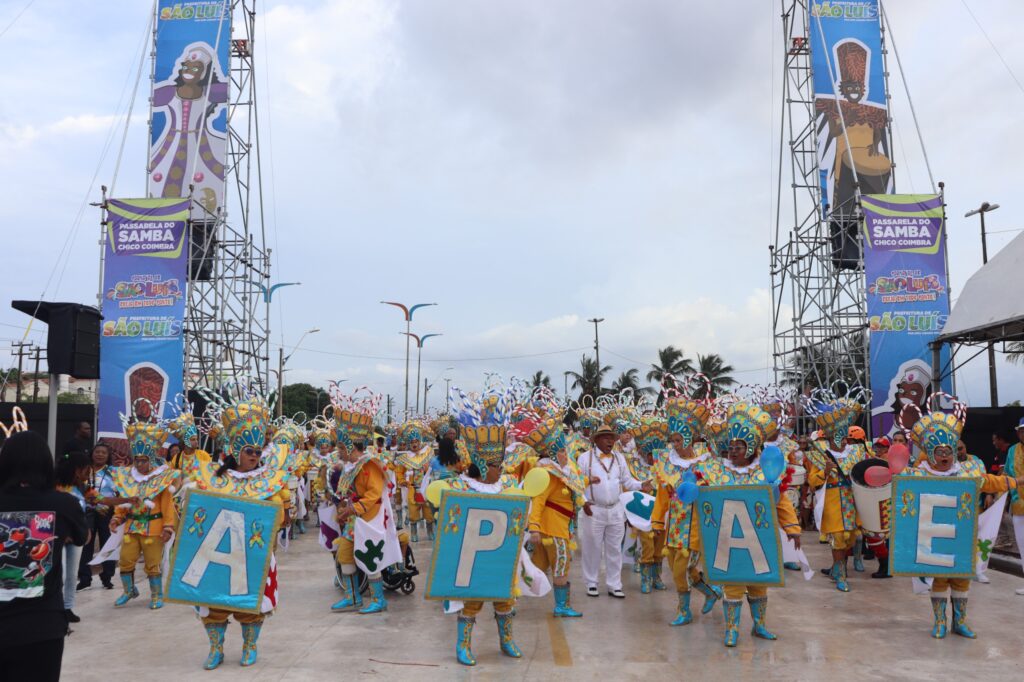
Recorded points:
(739,534)
(934,526)
(223,551)
(476,549)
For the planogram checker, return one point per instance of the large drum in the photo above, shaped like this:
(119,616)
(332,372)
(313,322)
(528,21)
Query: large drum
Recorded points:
(872,502)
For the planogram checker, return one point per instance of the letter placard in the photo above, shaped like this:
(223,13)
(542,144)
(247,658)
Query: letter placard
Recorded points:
(476,549)
(222,551)
(739,533)
(934,526)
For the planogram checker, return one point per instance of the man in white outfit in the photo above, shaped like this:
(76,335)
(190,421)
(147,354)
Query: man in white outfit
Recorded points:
(603,524)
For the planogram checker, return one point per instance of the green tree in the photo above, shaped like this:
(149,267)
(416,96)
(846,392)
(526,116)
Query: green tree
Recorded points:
(590,378)
(539,379)
(630,380)
(1015,352)
(305,398)
(73,397)
(714,368)
(672,362)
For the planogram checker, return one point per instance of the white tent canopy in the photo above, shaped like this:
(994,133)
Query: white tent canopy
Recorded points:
(991,305)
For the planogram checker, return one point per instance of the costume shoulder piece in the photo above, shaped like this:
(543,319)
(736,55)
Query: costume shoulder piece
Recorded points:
(147,487)
(818,454)
(415,460)
(261,483)
(712,471)
(570,474)
(348,476)
(517,455)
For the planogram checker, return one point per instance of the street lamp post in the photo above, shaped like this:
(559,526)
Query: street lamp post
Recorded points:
(408,312)
(419,361)
(268,294)
(281,360)
(993,387)
(597,351)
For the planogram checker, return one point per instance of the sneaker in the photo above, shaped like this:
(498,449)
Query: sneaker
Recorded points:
(70,615)
(982,578)
(1019,590)
(82,585)
(592,591)
(108,585)
(618,594)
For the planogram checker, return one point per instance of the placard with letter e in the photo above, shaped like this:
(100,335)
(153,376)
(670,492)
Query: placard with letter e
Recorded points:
(738,530)
(934,526)
(222,552)
(476,549)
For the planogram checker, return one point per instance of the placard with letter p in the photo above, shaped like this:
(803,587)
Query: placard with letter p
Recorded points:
(476,549)
(934,526)
(222,552)
(739,534)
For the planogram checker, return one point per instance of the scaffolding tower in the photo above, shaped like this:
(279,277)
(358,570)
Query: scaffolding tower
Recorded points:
(819,315)
(227,316)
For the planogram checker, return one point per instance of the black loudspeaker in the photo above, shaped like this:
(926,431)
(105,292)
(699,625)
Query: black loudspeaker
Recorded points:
(845,242)
(201,244)
(73,338)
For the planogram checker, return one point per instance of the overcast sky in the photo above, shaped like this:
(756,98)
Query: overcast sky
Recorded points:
(527,165)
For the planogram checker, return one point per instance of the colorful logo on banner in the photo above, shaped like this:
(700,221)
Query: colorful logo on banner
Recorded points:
(934,526)
(26,553)
(476,549)
(190,103)
(223,551)
(739,534)
(144,273)
(850,101)
(907,302)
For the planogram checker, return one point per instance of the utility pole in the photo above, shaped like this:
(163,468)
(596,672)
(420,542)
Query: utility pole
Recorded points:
(447,396)
(21,354)
(597,351)
(993,387)
(426,387)
(389,408)
(35,377)
(280,382)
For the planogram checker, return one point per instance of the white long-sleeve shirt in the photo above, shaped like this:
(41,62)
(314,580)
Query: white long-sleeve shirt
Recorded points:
(614,474)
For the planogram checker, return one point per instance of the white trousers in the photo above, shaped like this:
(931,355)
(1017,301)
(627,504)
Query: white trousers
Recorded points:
(602,534)
(1018,532)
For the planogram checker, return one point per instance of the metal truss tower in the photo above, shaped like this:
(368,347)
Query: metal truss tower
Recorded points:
(819,317)
(227,320)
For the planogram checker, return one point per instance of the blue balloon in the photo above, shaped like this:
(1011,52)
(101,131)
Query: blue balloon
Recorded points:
(773,464)
(689,476)
(687,492)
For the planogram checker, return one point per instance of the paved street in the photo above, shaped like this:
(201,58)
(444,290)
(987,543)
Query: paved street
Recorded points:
(878,631)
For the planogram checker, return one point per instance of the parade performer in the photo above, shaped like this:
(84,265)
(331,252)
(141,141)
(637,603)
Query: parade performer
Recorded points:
(938,434)
(149,519)
(553,512)
(322,457)
(831,461)
(650,433)
(360,486)
(288,434)
(183,427)
(410,468)
(749,428)
(485,439)
(251,471)
(675,518)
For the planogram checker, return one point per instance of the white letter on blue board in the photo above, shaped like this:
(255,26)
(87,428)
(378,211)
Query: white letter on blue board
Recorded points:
(732,511)
(473,542)
(232,523)
(928,530)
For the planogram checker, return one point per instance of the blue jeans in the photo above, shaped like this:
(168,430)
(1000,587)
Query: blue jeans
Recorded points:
(71,555)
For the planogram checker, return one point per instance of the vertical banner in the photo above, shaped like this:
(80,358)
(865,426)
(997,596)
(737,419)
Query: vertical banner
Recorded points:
(144,271)
(188,123)
(849,101)
(908,302)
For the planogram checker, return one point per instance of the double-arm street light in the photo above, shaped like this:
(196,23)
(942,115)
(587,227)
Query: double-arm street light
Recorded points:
(408,311)
(419,361)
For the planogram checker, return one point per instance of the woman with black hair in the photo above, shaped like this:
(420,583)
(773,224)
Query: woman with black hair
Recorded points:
(36,521)
(101,479)
(72,475)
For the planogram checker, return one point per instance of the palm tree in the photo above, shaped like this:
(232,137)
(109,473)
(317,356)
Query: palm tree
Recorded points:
(1015,352)
(630,379)
(822,365)
(589,379)
(540,379)
(671,363)
(714,368)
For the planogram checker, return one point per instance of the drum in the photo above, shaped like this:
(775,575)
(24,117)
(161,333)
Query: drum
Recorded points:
(799,476)
(872,503)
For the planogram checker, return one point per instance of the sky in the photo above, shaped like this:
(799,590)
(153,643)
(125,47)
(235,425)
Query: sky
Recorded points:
(527,166)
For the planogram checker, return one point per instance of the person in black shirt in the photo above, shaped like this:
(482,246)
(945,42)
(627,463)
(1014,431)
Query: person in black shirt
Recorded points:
(35,522)
(82,440)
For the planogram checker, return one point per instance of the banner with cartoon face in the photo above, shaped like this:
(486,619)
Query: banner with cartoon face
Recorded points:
(739,534)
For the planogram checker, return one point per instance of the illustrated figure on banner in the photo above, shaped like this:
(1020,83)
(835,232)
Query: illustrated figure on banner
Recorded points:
(189,148)
(908,395)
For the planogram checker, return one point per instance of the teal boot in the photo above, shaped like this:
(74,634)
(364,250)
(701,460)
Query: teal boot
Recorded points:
(130,591)
(430,531)
(960,618)
(562,608)
(508,645)
(353,598)
(839,575)
(637,566)
(464,640)
(711,595)
(939,611)
(377,601)
(250,633)
(758,611)
(656,577)
(156,592)
(683,615)
(301,525)
(732,611)
(216,632)
(414,533)
(858,555)
(645,578)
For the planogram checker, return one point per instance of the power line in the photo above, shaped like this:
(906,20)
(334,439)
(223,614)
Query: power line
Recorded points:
(16,17)
(993,46)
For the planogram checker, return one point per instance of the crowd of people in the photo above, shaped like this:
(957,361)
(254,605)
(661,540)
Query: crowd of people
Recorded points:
(346,465)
